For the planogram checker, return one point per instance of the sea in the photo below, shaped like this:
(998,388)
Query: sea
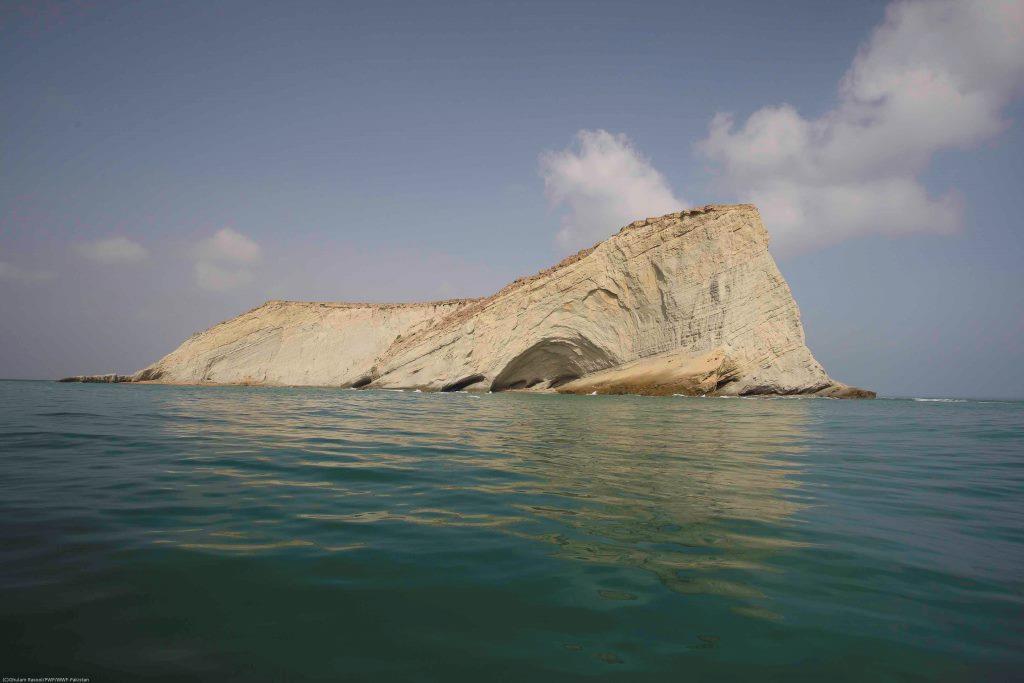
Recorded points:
(291,534)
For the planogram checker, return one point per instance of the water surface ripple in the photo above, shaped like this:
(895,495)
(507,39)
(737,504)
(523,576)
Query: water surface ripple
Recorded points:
(262,533)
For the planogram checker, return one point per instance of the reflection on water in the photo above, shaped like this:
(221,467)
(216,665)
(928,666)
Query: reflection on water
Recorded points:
(298,534)
(605,480)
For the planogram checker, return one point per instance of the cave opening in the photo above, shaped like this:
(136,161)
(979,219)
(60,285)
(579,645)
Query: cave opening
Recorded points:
(460,384)
(552,363)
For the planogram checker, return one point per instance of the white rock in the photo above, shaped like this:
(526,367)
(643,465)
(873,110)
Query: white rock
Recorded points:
(689,303)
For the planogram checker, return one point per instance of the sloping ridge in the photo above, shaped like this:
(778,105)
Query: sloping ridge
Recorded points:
(687,303)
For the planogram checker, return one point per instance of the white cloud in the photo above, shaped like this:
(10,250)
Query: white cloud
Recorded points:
(934,75)
(229,246)
(12,272)
(113,250)
(225,260)
(604,183)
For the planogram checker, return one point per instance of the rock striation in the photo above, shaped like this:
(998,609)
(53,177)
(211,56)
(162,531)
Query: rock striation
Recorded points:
(687,303)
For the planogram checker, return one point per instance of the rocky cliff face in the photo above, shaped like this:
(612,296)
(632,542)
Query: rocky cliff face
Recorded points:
(295,343)
(688,303)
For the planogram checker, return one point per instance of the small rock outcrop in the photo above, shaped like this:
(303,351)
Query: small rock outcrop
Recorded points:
(689,303)
(111,378)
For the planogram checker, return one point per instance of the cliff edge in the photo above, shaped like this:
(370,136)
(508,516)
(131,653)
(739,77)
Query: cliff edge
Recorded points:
(687,303)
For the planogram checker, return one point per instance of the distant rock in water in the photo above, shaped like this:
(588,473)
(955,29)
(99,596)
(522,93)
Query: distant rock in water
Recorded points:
(690,303)
(112,378)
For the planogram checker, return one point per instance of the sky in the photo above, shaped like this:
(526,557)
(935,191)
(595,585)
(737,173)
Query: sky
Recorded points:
(166,166)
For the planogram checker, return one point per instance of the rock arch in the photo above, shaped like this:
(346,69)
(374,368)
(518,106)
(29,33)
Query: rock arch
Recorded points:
(552,362)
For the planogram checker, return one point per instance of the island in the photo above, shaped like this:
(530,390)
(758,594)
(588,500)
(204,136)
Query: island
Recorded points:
(690,303)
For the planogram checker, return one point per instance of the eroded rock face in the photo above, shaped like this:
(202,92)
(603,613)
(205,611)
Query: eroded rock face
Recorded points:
(295,343)
(688,303)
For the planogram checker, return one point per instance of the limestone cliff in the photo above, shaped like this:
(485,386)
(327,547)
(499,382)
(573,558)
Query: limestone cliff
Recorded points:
(688,303)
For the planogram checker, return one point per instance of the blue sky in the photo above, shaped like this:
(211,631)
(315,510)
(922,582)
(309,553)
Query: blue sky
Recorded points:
(166,166)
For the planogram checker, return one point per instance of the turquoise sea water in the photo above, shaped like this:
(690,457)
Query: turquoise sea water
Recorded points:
(295,534)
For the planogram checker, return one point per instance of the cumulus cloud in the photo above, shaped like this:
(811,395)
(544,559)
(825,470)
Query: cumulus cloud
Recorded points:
(225,260)
(12,272)
(229,246)
(936,74)
(603,182)
(113,250)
